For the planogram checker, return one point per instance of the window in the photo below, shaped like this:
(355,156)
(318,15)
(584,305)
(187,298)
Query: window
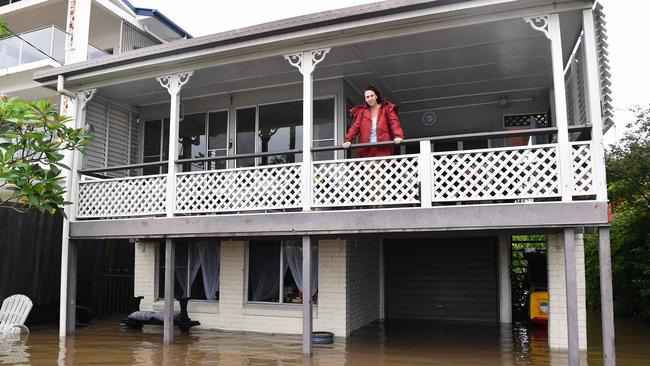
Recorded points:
(201,281)
(192,140)
(279,128)
(275,272)
(218,141)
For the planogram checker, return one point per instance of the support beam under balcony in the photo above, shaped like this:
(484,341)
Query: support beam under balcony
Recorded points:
(307,309)
(487,217)
(606,297)
(168,317)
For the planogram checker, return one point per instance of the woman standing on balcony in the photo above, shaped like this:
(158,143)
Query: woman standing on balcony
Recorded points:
(374,121)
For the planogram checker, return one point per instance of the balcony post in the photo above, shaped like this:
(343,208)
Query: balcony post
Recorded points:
(67,303)
(306,62)
(594,113)
(173,84)
(550,26)
(425,165)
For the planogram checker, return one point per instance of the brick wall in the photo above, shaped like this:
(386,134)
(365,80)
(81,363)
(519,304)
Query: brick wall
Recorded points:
(332,287)
(557,325)
(231,311)
(363,283)
(145,273)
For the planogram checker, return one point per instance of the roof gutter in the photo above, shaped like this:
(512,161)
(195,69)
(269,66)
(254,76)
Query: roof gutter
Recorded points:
(60,83)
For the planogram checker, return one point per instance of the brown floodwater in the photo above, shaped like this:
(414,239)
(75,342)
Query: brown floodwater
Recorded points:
(389,343)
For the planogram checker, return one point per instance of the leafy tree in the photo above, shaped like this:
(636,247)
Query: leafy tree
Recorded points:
(628,175)
(4,31)
(33,137)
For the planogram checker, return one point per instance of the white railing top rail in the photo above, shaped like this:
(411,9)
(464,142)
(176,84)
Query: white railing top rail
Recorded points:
(493,149)
(434,139)
(269,166)
(122,179)
(342,161)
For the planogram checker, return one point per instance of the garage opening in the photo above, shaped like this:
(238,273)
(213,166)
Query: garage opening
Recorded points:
(446,280)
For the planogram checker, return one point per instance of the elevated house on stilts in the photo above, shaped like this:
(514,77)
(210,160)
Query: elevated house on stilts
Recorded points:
(243,200)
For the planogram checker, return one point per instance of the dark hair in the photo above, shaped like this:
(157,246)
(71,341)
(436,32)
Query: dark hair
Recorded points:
(375,89)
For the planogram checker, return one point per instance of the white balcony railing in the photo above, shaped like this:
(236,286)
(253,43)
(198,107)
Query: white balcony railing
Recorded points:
(37,45)
(272,187)
(497,175)
(122,197)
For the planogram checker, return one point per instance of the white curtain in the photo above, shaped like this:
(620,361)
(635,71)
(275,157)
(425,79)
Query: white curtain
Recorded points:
(209,260)
(204,256)
(181,272)
(293,257)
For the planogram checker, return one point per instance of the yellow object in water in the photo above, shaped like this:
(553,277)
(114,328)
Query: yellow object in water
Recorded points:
(538,308)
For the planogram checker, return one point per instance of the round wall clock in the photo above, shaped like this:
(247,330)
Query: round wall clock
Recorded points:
(428,118)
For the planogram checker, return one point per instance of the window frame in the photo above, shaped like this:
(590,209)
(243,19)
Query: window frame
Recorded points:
(280,301)
(160,266)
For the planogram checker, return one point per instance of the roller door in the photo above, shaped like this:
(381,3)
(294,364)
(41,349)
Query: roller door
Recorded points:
(442,279)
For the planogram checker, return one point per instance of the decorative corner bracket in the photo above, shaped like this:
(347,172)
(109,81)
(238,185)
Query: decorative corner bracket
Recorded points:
(173,83)
(306,61)
(85,96)
(539,23)
(295,59)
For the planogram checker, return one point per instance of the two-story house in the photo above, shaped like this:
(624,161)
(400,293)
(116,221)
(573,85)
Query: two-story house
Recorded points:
(240,197)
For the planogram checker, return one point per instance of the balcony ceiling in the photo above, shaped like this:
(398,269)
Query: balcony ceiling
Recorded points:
(451,67)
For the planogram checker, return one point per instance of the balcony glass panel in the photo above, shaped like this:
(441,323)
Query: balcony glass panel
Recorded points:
(94,52)
(9,52)
(36,45)
(58,49)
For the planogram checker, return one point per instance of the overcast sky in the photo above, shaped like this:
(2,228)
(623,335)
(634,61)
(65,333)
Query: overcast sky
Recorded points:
(629,51)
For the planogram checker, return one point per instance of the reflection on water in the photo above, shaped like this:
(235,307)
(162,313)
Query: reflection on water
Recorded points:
(390,343)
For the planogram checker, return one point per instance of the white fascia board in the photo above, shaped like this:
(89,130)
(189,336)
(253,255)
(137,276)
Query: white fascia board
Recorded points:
(32,66)
(7,10)
(388,26)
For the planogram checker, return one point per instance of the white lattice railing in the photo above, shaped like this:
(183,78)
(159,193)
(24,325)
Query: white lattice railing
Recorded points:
(500,174)
(122,197)
(583,176)
(363,182)
(496,174)
(243,189)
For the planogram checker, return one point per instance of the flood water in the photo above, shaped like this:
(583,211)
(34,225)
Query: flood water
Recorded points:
(390,343)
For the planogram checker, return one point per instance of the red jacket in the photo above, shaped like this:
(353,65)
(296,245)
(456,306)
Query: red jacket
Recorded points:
(388,127)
